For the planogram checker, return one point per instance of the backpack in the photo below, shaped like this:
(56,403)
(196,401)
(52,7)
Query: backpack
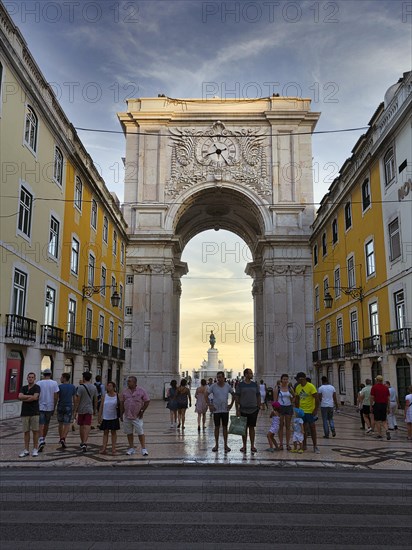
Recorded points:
(99,392)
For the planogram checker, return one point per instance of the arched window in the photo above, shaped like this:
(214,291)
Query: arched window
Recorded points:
(30,132)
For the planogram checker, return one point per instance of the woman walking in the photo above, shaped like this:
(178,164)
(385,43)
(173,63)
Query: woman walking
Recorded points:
(183,399)
(201,403)
(285,397)
(108,417)
(172,403)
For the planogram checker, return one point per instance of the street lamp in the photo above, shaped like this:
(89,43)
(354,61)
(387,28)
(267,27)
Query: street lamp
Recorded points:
(90,290)
(355,292)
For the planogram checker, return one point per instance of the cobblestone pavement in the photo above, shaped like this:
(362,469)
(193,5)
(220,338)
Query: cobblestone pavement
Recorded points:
(351,448)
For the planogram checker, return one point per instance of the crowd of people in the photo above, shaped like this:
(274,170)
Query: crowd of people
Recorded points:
(293,416)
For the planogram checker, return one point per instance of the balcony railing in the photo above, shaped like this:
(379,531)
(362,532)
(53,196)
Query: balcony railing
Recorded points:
(325,354)
(51,336)
(105,350)
(20,327)
(316,356)
(372,344)
(122,354)
(73,342)
(400,338)
(114,351)
(91,346)
(338,352)
(352,348)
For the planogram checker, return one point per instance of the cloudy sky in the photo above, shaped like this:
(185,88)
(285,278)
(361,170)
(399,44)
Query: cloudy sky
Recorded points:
(343,55)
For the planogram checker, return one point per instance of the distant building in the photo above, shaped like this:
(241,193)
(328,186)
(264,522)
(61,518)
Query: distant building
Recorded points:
(61,232)
(362,257)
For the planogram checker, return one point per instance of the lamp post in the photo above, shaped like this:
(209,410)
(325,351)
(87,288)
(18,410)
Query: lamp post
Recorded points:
(355,292)
(90,290)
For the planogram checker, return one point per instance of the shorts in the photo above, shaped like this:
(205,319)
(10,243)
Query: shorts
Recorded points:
(65,415)
(221,418)
(251,418)
(309,418)
(366,409)
(45,417)
(30,423)
(84,419)
(128,425)
(286,410)
(111,425)
(380,411)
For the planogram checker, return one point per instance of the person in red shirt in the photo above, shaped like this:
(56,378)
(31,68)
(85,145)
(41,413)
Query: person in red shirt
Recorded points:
(380,405)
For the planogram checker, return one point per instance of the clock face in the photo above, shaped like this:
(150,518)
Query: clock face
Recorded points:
(219,151)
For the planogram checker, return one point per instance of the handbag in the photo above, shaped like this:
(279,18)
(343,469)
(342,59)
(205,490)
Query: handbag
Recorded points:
(238,425)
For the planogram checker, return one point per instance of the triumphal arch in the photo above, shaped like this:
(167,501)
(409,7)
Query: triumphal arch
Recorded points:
(240,165)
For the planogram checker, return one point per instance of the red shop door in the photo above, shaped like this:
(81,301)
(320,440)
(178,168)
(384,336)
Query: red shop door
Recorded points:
(14,374)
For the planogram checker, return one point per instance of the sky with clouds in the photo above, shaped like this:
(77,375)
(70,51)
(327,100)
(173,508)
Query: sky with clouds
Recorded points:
(343,55)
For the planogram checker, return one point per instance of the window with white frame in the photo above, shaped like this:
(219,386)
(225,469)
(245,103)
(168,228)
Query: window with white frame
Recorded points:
(93,217)
(366,195)
(315,254)
(370,258)
(389,164)
(114,243)
(127,343)
(324,245)
(111,332)
(31,129)
(318,339)
(328,334)
(342,381)
(348,215)
(129,310)
(394,239)
(54,232)
(354,325)
(339,331)
(325,286)
(122,253)
(400,309)
(74,256)
(105,229)
(119,336)
(317,303)
(101,329)
(25,211)
(351,272)
(58,166)
(335,231)
(129,279)
(336,281)
(89,322)
(103,280)
(373,318)
(19,293)
(90,269)
(71,317)
(121,295)
(78,193)
(50,306)
(114,282)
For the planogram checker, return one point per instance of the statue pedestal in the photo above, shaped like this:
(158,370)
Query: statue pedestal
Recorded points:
(212,359)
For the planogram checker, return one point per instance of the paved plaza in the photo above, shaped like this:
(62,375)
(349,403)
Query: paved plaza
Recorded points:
(351,448)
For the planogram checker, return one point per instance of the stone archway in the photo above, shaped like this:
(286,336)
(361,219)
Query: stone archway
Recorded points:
(187,171)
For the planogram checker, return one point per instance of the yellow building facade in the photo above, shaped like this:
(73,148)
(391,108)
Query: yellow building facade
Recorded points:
(359,330)
(62,237)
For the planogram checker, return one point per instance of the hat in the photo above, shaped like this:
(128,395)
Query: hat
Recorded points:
(300,375)
(47,371)
(276,404)
(379,377)
(299,413)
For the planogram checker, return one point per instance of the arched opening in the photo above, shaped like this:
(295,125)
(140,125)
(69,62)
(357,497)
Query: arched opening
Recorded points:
(216,295)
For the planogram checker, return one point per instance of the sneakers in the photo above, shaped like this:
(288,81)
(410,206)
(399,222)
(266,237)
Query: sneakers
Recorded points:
(368,431)
(35,452)
(333,433)
(270,450)
(83,447)
(388,436)
(144,452)
(62,442)
(41,446)
(24,453)
(316,450)
(131,451)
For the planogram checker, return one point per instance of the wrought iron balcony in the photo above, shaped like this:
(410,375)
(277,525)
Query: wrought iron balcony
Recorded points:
(122,354)
(51,336)
(372,344)
(73,342)
(325,354)
(316,356)
(396,339)
(91,346)
(105,350)
(352,349)
(338,352)
(20,327)
(114,352)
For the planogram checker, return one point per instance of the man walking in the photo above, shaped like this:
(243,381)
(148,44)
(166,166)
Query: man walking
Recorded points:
(307,399)
(65,406)
(393,406)
(380,406)
(327,397)
(49,390)
(248,404)
(85,404)
(220,408)
(133,403)
(364,402)
(29,396)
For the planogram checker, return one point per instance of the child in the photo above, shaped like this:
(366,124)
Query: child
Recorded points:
(274,427)
(297,426)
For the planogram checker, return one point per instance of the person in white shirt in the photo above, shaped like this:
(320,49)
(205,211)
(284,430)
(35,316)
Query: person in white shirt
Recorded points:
(49,394)
(327,396)
(393,406)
